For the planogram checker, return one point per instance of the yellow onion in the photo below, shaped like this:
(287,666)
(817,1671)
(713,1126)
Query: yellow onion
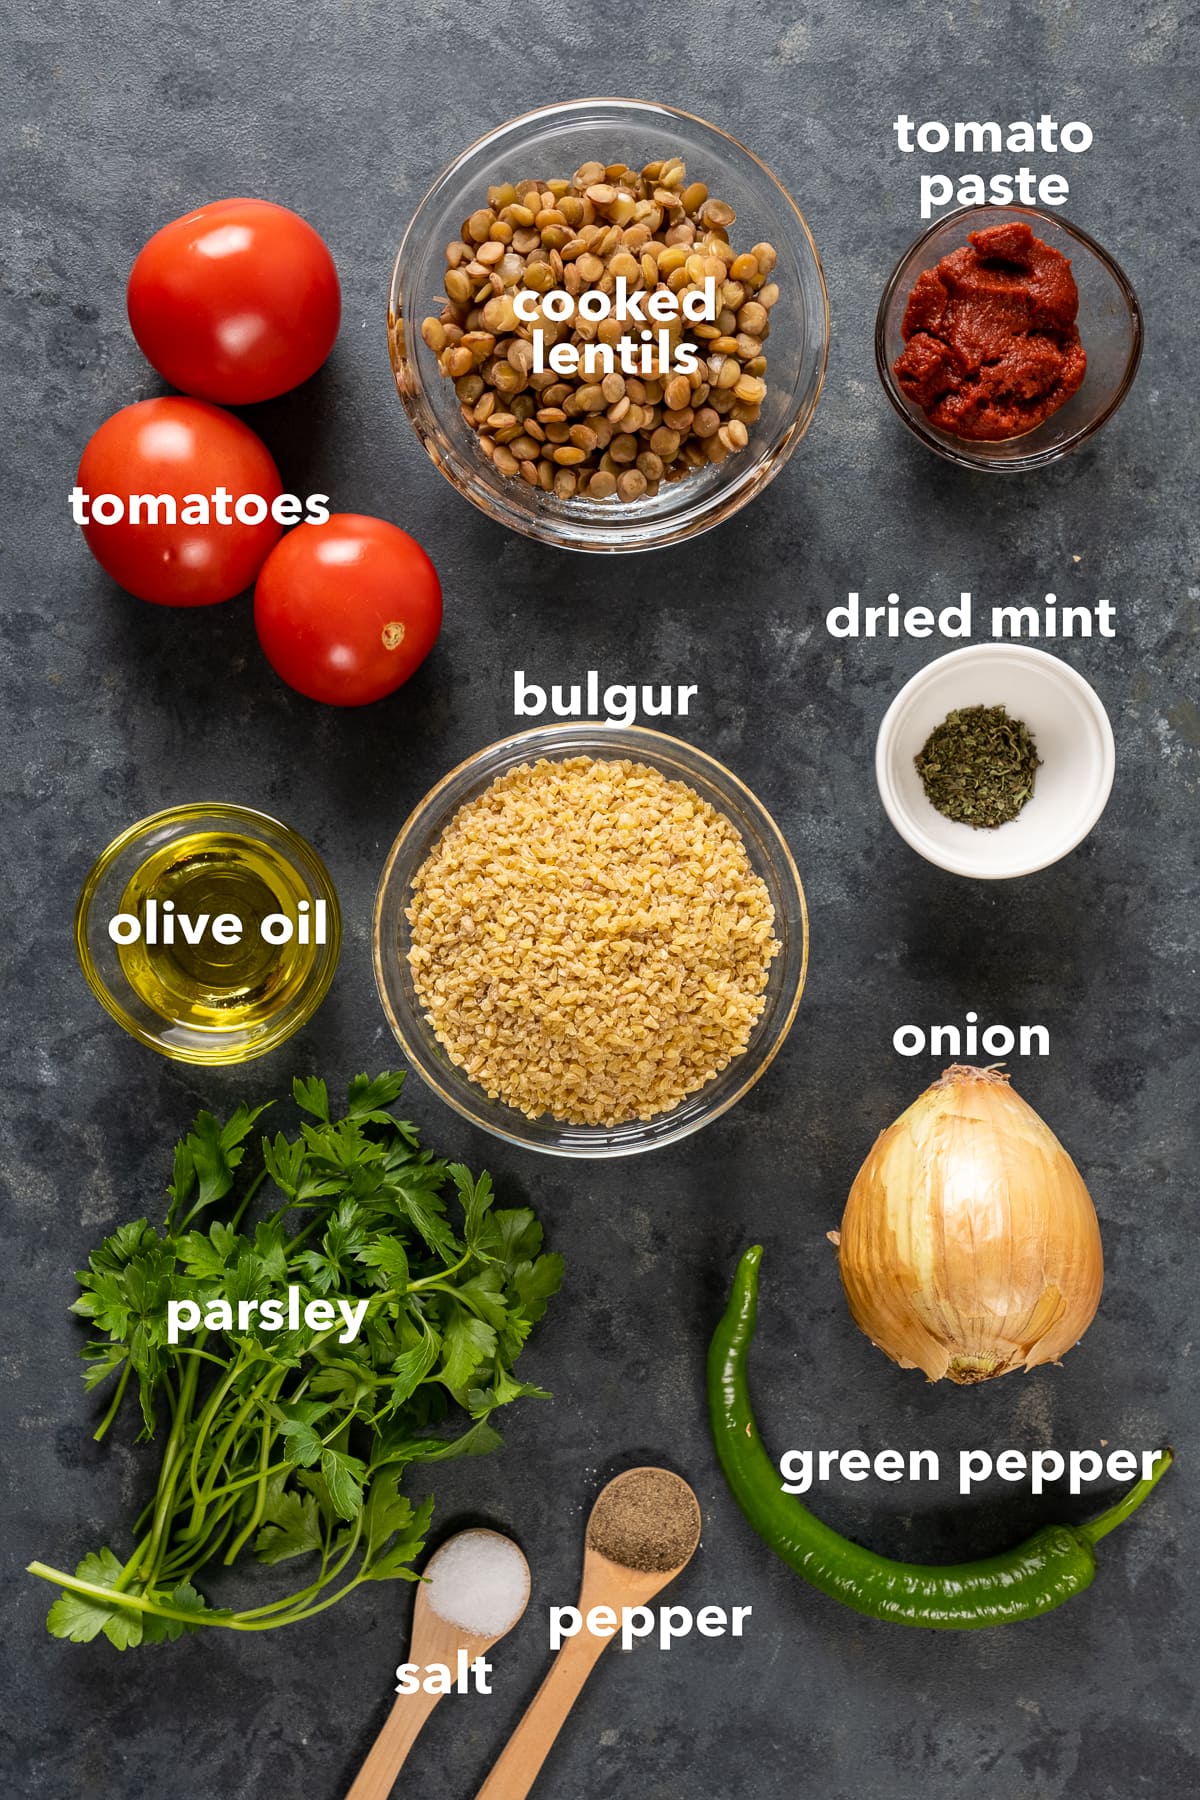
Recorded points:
(970,1245)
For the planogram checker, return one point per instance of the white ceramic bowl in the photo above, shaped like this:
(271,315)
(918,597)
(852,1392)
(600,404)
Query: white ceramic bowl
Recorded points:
(1074,740)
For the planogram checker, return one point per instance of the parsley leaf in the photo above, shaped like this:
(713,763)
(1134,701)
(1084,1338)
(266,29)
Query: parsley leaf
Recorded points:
(344,1478)
(303,1443)
(293,1528)
(81,1617)
(411,1368)
(312,1097)
(389,1259)
(369,1099)
(467,1342)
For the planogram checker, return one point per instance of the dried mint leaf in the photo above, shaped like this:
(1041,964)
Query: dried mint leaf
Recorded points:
(978,766)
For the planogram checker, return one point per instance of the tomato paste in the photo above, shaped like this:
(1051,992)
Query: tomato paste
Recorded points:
(991,344)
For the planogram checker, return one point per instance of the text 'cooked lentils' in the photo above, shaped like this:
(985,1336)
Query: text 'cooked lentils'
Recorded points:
(589,940)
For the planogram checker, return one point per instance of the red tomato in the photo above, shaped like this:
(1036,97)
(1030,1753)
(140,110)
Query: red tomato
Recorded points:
(346,611)
(185,450)
(236,302)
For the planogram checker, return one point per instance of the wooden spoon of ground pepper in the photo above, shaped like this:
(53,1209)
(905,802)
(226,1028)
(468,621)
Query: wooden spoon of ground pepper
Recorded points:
(643,1529)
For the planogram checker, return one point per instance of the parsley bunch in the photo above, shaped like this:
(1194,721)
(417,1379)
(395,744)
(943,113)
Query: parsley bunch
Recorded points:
(291,1441)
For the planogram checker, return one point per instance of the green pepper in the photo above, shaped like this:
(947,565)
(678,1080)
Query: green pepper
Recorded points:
(1021,1583)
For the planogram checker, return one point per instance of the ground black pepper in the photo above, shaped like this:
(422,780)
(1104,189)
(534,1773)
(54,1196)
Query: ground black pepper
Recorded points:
(646,1519)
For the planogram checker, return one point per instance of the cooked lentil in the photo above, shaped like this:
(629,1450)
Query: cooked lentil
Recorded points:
(576,435)
(590,940)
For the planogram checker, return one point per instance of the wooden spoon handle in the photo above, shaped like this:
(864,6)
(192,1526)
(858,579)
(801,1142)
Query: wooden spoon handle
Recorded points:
(526,1750)
(386,1756)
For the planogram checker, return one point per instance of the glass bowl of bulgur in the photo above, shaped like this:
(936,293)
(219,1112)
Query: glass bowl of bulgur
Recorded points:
(580,509)
(590,940)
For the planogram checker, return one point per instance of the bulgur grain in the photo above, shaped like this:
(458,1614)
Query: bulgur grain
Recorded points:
(589,940)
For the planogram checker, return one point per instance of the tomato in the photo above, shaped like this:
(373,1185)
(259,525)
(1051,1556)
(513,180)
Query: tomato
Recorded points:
(185,450)
(347,610)
(236,302)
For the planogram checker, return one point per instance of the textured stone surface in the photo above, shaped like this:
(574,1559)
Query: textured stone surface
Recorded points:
(116,119)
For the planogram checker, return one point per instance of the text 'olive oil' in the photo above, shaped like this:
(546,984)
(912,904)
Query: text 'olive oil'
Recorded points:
(226,932)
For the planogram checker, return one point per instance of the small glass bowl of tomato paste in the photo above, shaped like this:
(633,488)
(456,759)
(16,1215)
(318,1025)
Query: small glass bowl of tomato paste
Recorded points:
(1109,323)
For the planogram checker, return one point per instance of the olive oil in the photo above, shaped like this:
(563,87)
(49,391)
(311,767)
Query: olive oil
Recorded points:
(202,959)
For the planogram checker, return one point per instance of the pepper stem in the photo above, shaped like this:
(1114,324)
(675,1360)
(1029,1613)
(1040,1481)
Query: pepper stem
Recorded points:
(1117,1515)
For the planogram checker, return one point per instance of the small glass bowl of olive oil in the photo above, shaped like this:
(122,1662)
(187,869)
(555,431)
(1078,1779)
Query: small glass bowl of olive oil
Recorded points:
(210,932)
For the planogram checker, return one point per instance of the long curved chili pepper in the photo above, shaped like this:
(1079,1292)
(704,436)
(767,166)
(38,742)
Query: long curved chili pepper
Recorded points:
(1055,1563)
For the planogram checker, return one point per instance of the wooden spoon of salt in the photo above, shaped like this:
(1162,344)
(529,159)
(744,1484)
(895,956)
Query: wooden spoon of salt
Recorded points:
(437,1637)
(643,1529)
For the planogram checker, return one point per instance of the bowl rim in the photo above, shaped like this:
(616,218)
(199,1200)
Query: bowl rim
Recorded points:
(228,1050)
(956,452)
(901,819)
(694,521)
(597,1148)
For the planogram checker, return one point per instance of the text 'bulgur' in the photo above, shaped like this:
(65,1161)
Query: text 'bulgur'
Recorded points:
(589,940)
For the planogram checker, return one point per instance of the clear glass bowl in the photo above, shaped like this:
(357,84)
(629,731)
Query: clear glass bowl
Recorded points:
(1110,326)
(555,141)
(101,898)
(768,853)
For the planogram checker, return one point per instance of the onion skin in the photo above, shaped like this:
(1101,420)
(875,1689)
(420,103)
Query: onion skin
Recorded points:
(969,1245)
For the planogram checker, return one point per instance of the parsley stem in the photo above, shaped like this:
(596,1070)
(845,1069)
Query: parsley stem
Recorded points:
(190,1555)
(260,1502)
(211,1408)
(74,1584)
(206,1355)
(219,1457)
(414,1287)
(168,1479)
(310,1612)
(327,1574)
(230,1489)
(458,1295)
(317,1223)
(247,1197)
(111,1414)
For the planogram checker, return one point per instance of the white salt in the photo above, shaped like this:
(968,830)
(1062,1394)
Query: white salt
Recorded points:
(479,1581)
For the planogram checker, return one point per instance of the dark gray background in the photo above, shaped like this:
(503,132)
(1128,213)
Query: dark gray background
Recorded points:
(117,119)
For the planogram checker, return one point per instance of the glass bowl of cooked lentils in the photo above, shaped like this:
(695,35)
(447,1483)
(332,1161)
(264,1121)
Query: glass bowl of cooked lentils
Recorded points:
(691,353)
(590,940)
